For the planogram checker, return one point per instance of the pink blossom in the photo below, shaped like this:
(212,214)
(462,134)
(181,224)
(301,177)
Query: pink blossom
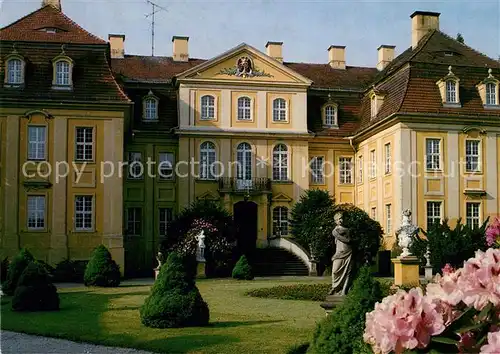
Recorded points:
(493,346)
(493,233)
(402,321)
(448,268)
(445,288)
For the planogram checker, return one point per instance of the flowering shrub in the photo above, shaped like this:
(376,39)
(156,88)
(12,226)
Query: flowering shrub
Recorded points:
(459,313)
(493,234)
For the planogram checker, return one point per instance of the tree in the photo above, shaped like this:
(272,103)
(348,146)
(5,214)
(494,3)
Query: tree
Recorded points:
(460,38)
(15,270)
(174,301)
(101,270)
(35,291)
(242,270)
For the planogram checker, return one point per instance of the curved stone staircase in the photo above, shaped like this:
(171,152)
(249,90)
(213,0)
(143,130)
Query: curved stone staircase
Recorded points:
(274,261)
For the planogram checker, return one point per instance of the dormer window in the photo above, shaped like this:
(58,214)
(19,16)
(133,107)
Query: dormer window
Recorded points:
(63,73)
(330,116)
(449,89)
(150,107)
(373,106)
(488,91)
(14,71)
(376,100)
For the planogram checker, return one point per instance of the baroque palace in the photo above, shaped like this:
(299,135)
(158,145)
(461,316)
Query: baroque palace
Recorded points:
(247,128)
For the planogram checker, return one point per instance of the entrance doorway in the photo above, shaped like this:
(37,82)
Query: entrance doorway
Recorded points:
(245,220)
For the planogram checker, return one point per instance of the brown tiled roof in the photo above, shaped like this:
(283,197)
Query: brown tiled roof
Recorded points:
(30,28)
(92,78)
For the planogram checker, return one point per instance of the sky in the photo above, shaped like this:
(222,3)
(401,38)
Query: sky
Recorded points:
(306,28)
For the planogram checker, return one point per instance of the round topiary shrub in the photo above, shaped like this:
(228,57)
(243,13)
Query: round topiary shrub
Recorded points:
(16,268)
(175,301)
(102,270)
(35,291)
(242,270)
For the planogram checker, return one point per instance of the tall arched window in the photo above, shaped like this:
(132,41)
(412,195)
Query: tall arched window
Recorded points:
(150,111)
(244,108)
(207,160)
(280,221)
(207,107)
(63,73)
(279,110)
(244,165)
(15,71)
(280,162)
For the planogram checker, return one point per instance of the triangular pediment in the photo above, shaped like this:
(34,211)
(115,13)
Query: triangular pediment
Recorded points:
(244,63)
(208,196)
(281,197)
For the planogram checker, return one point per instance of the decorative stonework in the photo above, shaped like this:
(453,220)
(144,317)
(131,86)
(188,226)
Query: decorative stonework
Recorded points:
(244,68)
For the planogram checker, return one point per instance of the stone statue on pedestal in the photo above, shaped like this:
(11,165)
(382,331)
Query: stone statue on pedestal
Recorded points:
(405,234)
(342,260)
(200,254)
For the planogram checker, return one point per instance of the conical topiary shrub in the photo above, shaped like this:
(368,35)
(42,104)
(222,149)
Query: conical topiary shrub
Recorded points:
(175,301)
(242,270)
(35,291)
(16,268)
(102,270)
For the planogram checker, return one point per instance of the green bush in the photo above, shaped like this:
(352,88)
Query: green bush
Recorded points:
(242,270)
(298,349)
(101,270)
(341,331)
(447,245)
(312,292)
(35,291)
(16,268)
(4,266)
(68,271)
(174,301)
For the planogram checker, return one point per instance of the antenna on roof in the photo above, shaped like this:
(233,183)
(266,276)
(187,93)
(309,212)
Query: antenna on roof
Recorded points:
(156,8)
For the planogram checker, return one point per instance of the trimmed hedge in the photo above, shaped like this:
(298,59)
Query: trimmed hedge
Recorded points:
(102,270)
(312,292)
(175,301)
(68,271)
(4,267)
(35,291)
(242,270)
(16,268)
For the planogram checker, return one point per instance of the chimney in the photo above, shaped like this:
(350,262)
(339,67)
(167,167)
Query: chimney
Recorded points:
(116,42)
(385,56)
(336,56)
(53,3)
(180,48)
(421,23)
(275,50)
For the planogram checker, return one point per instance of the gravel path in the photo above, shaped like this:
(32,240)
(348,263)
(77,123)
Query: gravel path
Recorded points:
(20,343)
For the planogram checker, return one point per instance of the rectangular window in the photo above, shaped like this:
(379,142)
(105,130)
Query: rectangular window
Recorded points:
(433,154)
(388,158)
(84,217)
(165,218)
(317,173)
(473,216)
(134,222)
(388,219)
(135,167)
(373,164)
(360,169)
(166,166)
(280,221)
(472,156)
(451,91)
(36,142)
(36,212)
(345,170)
(491,94)
(373,213)
(433,213)
(84,144)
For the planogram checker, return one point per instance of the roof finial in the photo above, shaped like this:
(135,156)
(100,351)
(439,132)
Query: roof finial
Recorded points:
(490,73)
(449,70)
(53,3)
(62,50)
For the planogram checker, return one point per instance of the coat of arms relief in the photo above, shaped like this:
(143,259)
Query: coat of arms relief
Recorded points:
(244,68)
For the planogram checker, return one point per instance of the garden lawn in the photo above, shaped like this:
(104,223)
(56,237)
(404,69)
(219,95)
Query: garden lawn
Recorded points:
(238,323)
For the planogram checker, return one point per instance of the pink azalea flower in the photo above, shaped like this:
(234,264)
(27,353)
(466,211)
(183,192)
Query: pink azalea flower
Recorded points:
(493,346)
(493,233)
(445,288)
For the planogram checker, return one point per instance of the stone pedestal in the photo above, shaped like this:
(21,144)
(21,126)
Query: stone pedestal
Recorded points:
(314,269)
(157,271)
(200,270)
(428,273)
(406,271)
(331,302)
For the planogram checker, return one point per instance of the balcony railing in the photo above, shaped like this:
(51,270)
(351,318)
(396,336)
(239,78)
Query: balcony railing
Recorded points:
(236,185)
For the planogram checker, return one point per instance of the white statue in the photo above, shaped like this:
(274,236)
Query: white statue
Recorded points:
(405,234)
(342,260)
(159,256)
(201,246)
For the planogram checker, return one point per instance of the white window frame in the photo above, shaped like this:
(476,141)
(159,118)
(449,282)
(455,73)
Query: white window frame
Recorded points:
(208,107)
(433,158)
(280,162)
(373,164)
(63,72)
(281,220)
(165,216)
(491,95)
(388,158)
(135,167)
(345,170)
(14,75)
(36,205)
(166,163)
(360,169)
(84,144)
(150,108)
(244,166)
(37,148)
(451,91)
(280,110)
(373,213)
(330,119)
(473,220)
(373,106)
(317,167)
(208,157)
(388,219)
(135,221)
(243,109)
(85,212)
(473,158)
(430,212)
